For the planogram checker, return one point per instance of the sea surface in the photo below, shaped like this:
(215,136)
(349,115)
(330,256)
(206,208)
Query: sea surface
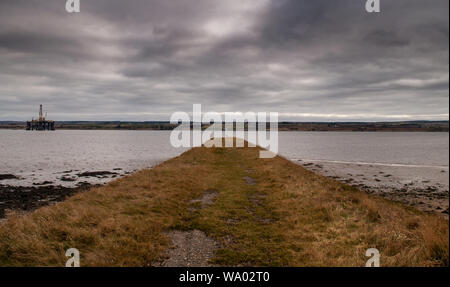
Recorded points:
(39,156)
(391,148)
(35,157)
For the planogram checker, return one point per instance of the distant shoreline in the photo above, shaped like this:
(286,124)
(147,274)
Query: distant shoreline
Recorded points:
(407,126)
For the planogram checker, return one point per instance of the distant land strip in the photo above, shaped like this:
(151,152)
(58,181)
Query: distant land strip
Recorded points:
(408,126)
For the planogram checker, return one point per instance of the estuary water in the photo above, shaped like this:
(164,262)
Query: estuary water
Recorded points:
(40,156)
(391,148)
(37,157)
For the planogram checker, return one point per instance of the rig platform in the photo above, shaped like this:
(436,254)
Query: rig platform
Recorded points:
(40,124)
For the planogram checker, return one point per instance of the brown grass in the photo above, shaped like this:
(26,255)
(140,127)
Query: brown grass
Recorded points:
(290,217)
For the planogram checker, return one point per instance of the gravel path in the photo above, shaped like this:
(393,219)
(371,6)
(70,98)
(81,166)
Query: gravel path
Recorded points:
(192,248)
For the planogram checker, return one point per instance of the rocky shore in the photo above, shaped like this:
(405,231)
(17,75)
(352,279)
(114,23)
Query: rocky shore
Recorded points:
(18,198)
(28,197)
(23,194)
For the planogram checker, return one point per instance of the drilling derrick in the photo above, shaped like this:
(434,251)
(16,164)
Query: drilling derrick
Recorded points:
(41,117)
(40,124)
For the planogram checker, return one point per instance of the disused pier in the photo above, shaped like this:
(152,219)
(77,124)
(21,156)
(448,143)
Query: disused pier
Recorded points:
(40,124)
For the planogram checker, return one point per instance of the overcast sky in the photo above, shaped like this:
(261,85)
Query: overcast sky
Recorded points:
(322,60)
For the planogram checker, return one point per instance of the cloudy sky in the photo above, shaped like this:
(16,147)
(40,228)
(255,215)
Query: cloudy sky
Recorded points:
(145,59)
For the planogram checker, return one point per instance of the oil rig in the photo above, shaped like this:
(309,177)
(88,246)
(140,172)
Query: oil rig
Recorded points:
(40,124)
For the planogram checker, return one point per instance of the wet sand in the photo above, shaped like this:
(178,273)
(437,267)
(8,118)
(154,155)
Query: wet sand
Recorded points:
(423,187)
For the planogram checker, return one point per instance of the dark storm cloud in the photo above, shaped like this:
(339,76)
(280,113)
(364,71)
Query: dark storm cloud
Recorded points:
(143,60)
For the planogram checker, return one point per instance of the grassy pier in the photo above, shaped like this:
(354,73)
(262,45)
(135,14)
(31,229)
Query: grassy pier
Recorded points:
(265,212)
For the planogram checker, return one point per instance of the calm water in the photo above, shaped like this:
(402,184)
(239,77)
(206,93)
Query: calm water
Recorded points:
(41,156)
(408,148)
(45,156)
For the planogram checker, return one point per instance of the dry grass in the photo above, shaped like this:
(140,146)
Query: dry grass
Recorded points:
(290,217)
